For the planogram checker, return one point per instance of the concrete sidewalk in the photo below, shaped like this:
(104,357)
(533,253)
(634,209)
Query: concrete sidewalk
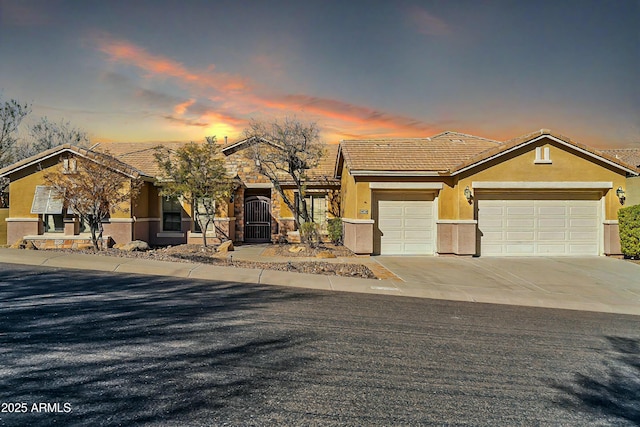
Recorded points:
(590,284)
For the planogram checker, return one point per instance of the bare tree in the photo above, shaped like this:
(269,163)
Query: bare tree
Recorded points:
(94,187)
(46,134)
(284,152)
(197,174)
(11,114)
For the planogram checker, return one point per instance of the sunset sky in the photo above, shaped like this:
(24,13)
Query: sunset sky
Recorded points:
(180,70)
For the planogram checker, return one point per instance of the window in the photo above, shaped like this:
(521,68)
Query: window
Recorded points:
(317,208)
(542,155)
(53,223)
(48,203)
(171,214)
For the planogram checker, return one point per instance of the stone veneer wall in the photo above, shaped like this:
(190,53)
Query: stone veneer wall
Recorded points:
(245,169)
(66,242)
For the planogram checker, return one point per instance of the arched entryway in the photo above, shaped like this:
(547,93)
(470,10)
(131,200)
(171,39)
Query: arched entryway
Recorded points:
(257,224)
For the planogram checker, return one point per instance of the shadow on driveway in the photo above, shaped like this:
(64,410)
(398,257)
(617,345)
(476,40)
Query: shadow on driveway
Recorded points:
(125,349)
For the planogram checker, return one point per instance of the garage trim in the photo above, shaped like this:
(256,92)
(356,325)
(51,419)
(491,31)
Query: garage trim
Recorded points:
(542,185)
(406,185)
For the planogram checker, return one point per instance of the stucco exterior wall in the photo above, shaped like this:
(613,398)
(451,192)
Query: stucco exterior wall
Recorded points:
(632,190)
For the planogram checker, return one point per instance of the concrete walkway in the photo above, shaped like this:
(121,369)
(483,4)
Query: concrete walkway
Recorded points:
(590,284)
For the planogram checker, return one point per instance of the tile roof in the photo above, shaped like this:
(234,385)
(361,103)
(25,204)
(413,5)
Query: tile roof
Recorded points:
(452,152)
(438,153)
(139,155)
(627,155)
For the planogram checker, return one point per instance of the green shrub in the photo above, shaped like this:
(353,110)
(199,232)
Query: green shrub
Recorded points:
(310,233)
(629,224)
(334,229)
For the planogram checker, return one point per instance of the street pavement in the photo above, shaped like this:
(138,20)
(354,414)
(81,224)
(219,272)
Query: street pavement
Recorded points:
(598,284)
(110,349)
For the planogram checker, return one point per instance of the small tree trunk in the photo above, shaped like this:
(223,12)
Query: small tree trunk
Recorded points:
(101,230)
(204,232)
(94,238)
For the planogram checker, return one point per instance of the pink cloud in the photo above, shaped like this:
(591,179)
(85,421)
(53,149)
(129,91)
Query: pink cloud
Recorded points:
(238,99)
(182,107)
(157,66)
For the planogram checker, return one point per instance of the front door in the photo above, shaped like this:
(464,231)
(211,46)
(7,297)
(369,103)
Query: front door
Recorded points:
(257,225)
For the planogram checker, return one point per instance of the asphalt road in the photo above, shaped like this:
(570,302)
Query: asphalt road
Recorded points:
(93,348)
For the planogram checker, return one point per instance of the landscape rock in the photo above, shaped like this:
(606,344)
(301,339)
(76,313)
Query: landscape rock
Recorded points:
(135,245)
(325,254)
(24,244)
(296,249)
(226,246)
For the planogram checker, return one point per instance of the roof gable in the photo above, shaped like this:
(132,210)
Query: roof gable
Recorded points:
(531,138)
(89,154)
(243,144)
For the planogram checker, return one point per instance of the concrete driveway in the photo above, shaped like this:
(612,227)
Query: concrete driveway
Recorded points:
(588,283)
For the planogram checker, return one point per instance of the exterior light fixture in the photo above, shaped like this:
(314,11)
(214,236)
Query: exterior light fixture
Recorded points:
(621,195)
(468,195)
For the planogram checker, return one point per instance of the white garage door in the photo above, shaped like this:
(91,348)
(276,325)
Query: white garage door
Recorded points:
(539,227)
(405,224)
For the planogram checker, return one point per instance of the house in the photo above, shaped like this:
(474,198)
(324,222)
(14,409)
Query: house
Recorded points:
(451,194)
(537,195)
(253,213)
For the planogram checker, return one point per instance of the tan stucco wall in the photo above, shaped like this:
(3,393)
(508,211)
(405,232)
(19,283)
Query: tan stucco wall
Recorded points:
(567,166)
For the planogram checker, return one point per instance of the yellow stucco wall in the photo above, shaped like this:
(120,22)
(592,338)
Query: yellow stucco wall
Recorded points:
(141,204)
(21,193)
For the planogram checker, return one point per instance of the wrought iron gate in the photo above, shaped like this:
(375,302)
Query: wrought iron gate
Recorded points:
(257,224)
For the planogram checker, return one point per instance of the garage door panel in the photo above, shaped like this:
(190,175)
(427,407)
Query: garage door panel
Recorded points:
(552,222)
(519,222)
(552,210)
(519,249)
(583,235)
(583,222)
(550,235)
(583,249)
(541,225)
(520,210)
(520,235)
(545,249)
(416,223)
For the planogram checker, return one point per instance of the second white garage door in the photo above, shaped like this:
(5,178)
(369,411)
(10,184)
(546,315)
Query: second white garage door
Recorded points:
(405,224)
(539,227)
